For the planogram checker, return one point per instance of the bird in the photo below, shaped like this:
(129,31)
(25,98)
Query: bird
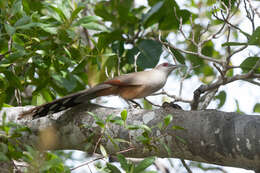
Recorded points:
(128,86)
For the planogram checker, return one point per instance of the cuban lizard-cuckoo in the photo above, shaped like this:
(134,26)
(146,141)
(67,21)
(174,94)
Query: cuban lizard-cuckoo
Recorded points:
(129,86)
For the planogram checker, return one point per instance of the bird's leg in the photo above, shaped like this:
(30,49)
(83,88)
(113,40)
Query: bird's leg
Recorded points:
(133,104)
(172,105)
(151,102)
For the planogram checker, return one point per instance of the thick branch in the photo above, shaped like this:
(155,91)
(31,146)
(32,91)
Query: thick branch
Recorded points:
(211,136)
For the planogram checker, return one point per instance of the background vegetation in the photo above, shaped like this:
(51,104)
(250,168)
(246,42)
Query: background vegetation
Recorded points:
(49,49)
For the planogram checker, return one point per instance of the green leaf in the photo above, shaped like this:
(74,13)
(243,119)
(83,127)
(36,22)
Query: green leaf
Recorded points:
(101,9)
(133,127)
(105,38)
(117,120)
(165,16)
(38,100)
(103,151)
(222,98)
(13,79)
(22,21)
(27,26)
(167,120)
(147,105)
(75,13)
(17,7)
(94,26)
(46,95)
(95,116)
(146,128)
(255,38)
(100,124)
(14,57)
(124,114)
(9,29)
(109,118)
(67,51)
(86,20)
(165,146)
(150,52)
(68,82)
(234,44)
(3,157)
(238,107)
(121,140)
(178,127)
(152,11)
(123,162)
(17,40)
(249,63)
(144,164)
(142,126)
(257,108)
(208,49)
(113,168)
(57,13)
(7,105)
(180,58)
(180,139)
(48,28)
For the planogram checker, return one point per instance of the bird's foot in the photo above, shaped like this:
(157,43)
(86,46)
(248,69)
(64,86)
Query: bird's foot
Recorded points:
(172,105)
(134,104)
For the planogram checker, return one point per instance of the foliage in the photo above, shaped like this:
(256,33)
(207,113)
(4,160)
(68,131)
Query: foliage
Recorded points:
(11,149)
(146,139)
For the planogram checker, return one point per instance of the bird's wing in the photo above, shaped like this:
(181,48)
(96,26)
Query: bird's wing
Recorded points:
(135,79)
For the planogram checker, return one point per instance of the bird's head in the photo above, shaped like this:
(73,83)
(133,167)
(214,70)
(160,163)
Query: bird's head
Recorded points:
(167,67)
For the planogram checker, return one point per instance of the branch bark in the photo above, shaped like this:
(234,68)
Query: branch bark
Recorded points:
(228,139)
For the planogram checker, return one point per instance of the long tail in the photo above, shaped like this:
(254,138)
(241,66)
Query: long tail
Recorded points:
(68,101)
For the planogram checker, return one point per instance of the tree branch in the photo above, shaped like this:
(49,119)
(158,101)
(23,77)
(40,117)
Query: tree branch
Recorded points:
(228,139)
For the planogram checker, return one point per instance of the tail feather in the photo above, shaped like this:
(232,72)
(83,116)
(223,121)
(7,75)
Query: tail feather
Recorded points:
(66,102)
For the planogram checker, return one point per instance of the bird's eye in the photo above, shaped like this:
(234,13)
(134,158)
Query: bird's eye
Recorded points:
(165,64)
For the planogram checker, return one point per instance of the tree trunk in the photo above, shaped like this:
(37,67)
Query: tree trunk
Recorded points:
(211,136)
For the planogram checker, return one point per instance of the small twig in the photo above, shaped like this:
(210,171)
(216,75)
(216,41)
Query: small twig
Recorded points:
(118,63)
(228,47)
(217,84)
(186,166)
(183,78)
(99,139)
(124,151)
(225,21)
(219,70)
(250,15)
(199,54)
(235,52)
(181,30)
(99,158)
(89,168)
(135,60)
(3,55)
(87,163)
(176,98)
(253,9)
